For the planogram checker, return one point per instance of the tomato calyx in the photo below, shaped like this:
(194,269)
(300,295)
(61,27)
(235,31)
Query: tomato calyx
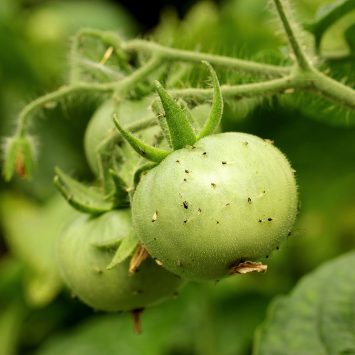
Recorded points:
(89,199)
(175,123)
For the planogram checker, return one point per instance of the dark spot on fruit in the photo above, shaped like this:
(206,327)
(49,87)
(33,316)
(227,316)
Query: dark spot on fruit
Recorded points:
(178,161)
(224,162)
(267,256)
(264,192)
(193,147)
(217,222)
(277,248)
(199,210)
(186,205)
(245,143)
(269,219)
(213,184)
(185,179)
(204,153)
(249,200)
(227,204)
(260,220)
(289,234)
(185,221)
(154,238)
(186,171)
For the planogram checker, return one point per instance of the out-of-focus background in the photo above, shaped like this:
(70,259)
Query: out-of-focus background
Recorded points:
(37,313)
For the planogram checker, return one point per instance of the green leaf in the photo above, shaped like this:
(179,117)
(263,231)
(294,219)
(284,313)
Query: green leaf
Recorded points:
(327,15)
(81,197)
(317,317)
(41,289)
(124,250)
(31,232)
(108,244)
(350,37)
(11,320)
(180,129)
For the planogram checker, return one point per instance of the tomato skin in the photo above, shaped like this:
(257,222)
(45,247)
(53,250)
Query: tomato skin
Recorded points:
(230,198)
(83,266)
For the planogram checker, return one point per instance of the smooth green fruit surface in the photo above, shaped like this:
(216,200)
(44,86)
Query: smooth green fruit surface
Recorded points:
(101,127)
(83,266)
(230,198)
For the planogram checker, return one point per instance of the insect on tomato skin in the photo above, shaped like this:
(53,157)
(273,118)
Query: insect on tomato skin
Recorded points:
(231,197)
(83,266)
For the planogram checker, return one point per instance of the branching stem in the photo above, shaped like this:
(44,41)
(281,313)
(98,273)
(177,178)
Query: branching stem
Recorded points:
(174,54)
(119,88)
(246,90)
(42,101)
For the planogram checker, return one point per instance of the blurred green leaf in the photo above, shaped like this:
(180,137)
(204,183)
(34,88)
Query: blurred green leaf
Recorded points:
(317,317)
(11,318)
(327,15)
(31,233)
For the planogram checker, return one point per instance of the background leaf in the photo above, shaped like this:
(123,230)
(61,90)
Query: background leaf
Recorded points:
(317,317)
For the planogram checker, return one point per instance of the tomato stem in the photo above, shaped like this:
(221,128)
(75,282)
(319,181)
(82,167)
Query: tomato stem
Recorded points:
(285,15)
(174,54)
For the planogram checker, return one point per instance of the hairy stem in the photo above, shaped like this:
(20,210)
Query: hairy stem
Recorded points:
(138,75)
(246,90)
(119,87)
(293,40)
(173,54)
(25,114)
(334,90)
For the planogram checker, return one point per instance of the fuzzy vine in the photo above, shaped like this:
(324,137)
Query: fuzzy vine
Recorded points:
(302,76)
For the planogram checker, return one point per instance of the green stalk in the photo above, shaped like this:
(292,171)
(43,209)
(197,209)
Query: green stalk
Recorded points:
(173,54)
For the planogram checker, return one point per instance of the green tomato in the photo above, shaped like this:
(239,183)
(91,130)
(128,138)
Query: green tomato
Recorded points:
(83,266)
(203,210)
(101,126)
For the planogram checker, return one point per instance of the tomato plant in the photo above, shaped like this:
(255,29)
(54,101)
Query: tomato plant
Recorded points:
(184,183)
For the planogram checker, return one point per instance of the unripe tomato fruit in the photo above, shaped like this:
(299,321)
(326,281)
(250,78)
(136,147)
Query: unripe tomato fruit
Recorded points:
(83,266)
(230,198)
(101,126)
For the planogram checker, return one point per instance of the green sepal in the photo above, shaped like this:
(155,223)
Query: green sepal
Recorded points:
(120,195)
(215,116)
(180,128)
(158,110)
(80,196)
(138,173)
(147,151)
(124,250)
(108,244)
(19,156)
